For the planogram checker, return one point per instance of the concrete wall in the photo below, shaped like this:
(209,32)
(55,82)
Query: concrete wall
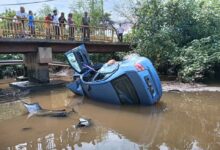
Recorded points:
(37,64)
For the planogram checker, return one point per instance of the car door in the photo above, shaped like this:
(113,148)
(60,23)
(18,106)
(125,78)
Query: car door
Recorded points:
(78,59)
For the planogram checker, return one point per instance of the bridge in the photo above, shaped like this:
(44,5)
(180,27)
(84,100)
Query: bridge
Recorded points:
(19,38)
(39,43)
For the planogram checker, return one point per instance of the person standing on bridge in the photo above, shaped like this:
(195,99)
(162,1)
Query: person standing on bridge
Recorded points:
(56,27)
(71,26)
(85,23)
(22,16)
(48,21)
(62,21)
(31,23)
(120,32)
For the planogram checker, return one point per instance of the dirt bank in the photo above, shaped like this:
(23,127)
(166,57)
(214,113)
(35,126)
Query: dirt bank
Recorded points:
(187,87)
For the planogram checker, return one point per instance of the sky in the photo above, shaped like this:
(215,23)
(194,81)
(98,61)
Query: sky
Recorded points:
(61,5)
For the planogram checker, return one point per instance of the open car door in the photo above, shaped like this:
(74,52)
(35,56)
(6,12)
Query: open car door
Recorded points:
(78,59)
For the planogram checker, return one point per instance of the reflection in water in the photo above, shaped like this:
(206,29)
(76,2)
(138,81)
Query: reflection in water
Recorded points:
(22,146)
(179,121)
(50,141)
(39,144)
(163,147)
(141,124)
(217,129)
(109,141)
(195,145)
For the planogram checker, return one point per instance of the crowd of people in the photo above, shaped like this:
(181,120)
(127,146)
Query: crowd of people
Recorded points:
(55,25)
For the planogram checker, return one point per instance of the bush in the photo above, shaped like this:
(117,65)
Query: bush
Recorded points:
(198,59)
(181,34)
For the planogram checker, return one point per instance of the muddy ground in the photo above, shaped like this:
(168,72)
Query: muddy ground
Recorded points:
(188,87)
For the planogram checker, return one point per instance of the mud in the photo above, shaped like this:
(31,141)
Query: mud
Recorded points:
(174,86)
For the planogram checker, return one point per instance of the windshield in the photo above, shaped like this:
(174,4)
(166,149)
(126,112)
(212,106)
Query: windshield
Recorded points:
(106,71)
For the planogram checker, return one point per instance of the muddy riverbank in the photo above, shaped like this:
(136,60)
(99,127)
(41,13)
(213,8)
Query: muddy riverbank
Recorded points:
(189,87)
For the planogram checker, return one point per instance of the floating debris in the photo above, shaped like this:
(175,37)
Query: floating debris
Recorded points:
(83,123)
(35,109)
(26,128)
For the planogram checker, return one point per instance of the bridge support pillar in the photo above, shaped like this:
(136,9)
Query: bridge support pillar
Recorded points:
(37,65)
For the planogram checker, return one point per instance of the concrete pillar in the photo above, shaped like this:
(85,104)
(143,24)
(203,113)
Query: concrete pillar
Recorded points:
(37,64)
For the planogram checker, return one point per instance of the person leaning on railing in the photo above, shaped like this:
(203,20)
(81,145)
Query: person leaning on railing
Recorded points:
(62,21)
(120,32)
(22,16)
(71,26)
(48,20)
(85,23)
(16,26)
(56,27)
(31,23)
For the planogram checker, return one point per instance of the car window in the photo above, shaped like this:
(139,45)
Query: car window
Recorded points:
(106,71)
(72,60)
(125,90)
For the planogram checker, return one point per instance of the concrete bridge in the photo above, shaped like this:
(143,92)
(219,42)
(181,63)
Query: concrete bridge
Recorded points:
(11,45)
(38,46)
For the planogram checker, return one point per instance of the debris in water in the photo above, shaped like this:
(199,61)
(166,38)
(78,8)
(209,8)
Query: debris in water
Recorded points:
(35,109)
(26,128)
(83,123)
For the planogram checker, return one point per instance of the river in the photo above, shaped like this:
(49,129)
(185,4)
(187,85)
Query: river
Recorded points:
(179,121)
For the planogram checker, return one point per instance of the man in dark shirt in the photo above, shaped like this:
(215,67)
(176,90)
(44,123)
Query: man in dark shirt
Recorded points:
(71,26)
(85,23)
(62,21)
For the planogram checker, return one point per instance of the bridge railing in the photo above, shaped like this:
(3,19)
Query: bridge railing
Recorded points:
(15,28)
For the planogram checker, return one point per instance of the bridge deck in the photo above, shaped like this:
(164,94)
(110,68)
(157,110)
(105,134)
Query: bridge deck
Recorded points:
(9,45)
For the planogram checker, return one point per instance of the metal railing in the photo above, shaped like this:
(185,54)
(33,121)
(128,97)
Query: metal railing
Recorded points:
(17,28)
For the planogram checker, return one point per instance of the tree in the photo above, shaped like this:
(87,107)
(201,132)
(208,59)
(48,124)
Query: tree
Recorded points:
(93,7)
(126,9)
(9,13)
(171,32)
(44,11)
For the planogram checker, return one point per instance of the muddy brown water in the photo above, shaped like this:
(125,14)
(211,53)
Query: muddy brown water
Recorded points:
(178,121)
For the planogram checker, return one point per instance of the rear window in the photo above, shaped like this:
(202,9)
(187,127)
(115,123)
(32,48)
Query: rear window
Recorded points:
(125,90)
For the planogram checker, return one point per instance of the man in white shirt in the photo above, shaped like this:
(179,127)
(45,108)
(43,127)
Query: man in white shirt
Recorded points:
(85,24)
(56,24)
(120,32)
(21,17)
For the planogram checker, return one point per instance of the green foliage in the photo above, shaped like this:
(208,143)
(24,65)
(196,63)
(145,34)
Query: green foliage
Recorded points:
(198,58)
(93,7)
(173,32)
(11,56)
(9,13)
(44,11)
(59,57)
(11,71)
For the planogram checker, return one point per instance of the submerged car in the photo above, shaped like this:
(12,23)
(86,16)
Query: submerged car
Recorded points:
(133,80)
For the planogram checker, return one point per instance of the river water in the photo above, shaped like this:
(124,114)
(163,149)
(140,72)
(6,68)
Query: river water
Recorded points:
(178,121)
